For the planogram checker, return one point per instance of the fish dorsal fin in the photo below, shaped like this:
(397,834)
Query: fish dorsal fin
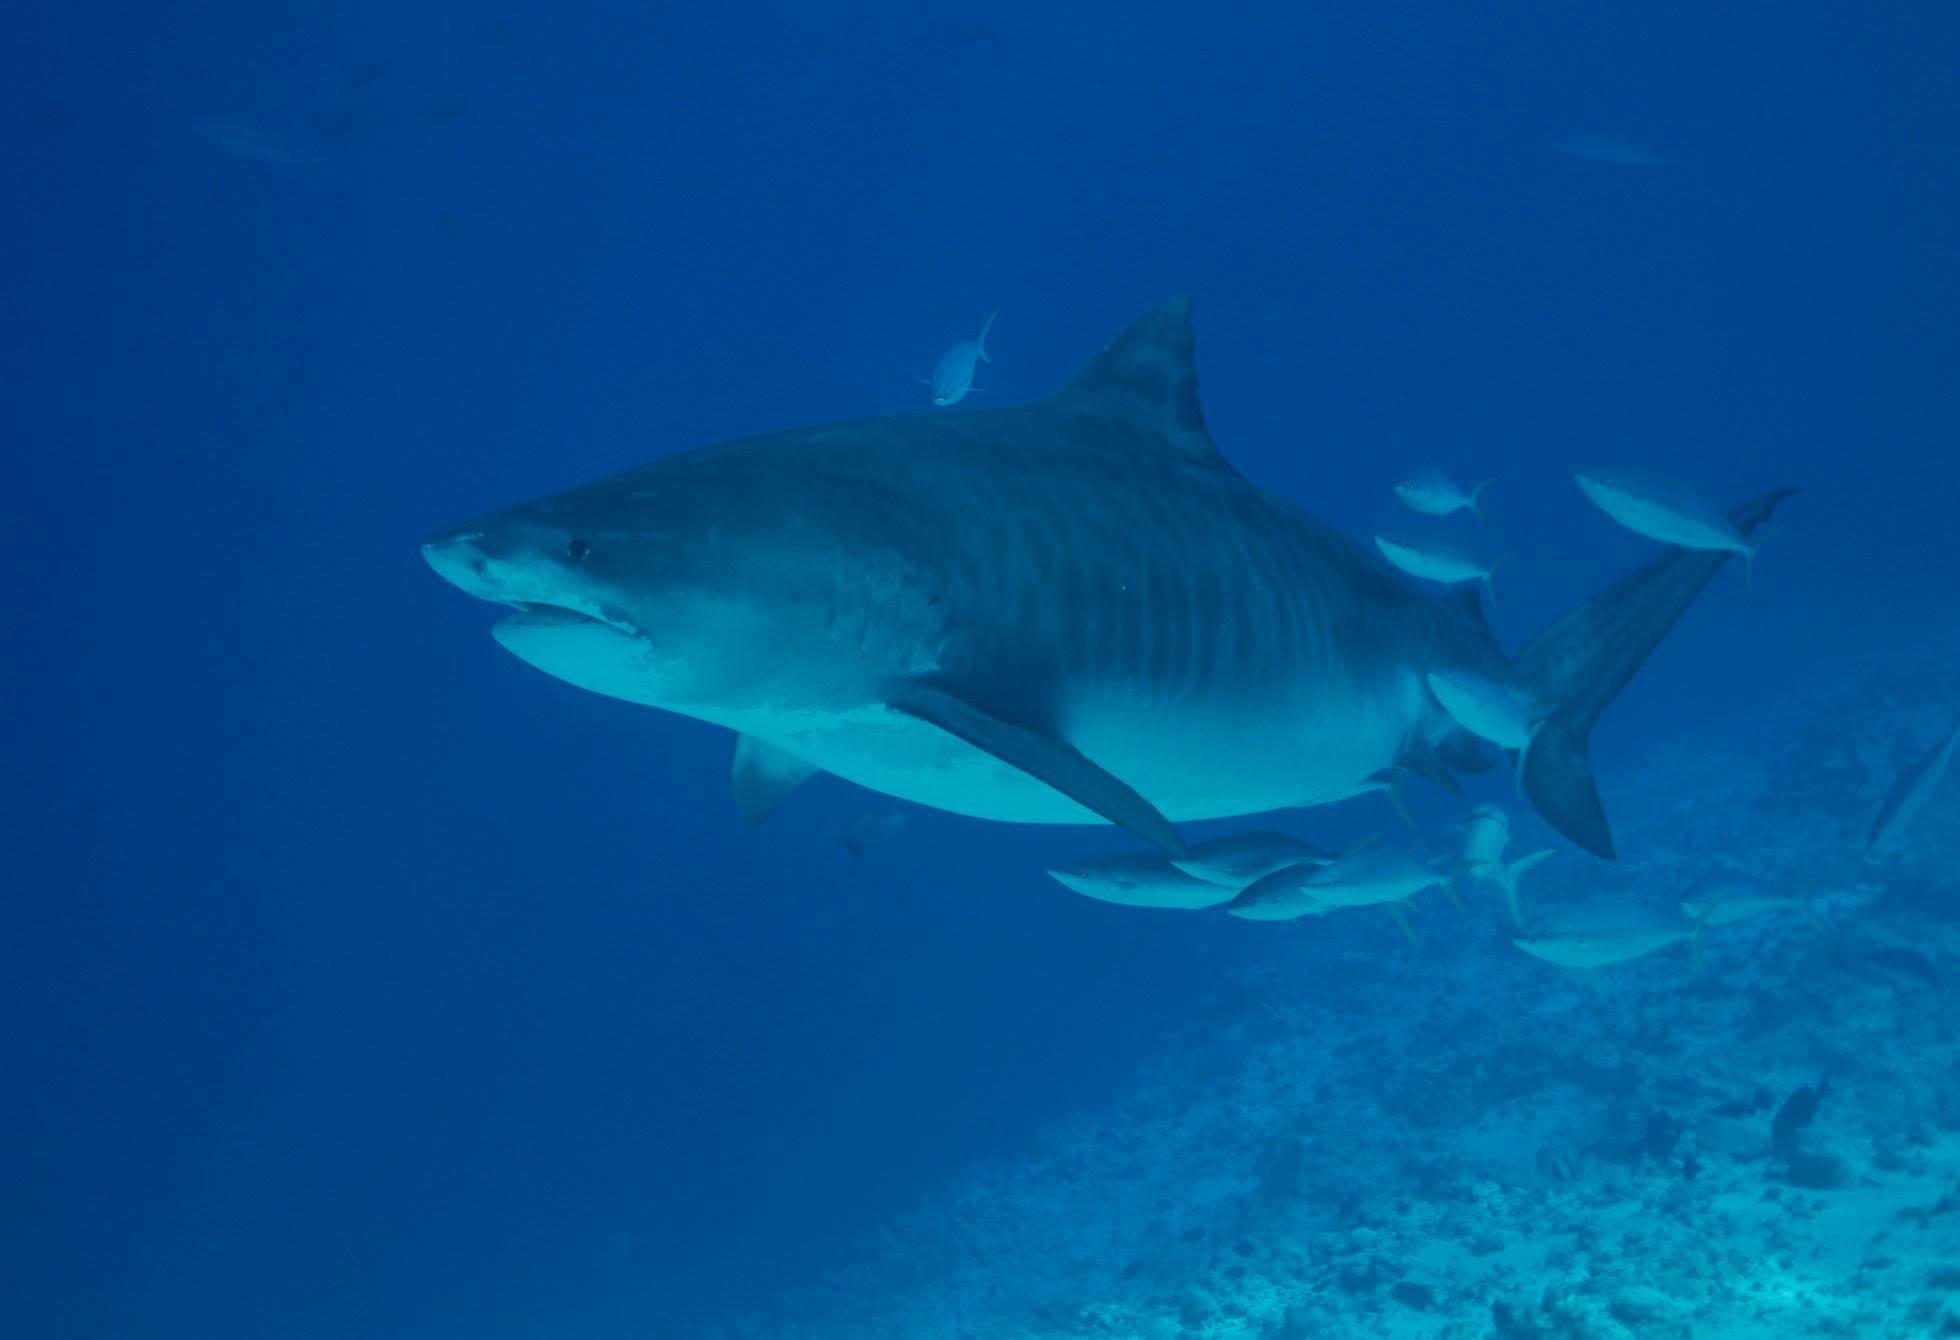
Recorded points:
(1147,376)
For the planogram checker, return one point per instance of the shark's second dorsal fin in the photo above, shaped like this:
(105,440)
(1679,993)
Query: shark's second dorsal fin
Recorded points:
(1148,376)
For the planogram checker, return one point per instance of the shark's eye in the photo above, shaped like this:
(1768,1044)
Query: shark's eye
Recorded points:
(577,550)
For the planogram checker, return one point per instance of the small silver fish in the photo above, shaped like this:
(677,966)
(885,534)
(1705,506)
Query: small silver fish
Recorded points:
(1667,512)
(1722,898)
(1914,787)
(1603,931)
(952,376)
(1438,560)
(1137,879)
(1240,859)
(1282,895)
(1483,707)
(1485,835)
(1382,875)
(1434,493)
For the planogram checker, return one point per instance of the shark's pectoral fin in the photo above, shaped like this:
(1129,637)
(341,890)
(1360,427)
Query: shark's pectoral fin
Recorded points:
(1042,756)
(762,775)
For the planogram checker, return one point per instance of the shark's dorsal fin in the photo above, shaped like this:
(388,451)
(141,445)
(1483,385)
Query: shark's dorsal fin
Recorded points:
(1147,376)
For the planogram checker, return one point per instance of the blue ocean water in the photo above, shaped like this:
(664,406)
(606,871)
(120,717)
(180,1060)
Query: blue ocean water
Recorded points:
(362,981)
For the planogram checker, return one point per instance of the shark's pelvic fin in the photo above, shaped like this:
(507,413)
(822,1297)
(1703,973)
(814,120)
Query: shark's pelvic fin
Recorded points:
(1580,664)
(762,775)
(1043,756)
(1148,377)
(1460,751)
(1421,759)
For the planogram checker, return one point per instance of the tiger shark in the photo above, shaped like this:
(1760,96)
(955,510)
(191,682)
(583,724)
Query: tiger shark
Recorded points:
(1071,611)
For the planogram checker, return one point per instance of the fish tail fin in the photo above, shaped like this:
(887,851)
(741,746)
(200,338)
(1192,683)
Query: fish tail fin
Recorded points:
(1389,782)
(1515,871)
(1477,499)
(1579,665)
(1490,585)
(1449,889)
(1525,864)
(1701,925)
(986,357)
(1401,915)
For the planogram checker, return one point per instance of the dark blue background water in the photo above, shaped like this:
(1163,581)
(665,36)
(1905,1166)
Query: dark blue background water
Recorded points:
(359,980)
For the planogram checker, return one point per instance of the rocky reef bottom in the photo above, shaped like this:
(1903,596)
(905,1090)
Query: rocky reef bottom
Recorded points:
(1459,1140)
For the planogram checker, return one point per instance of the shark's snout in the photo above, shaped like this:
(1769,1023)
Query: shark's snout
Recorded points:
(513,568)
(458,559)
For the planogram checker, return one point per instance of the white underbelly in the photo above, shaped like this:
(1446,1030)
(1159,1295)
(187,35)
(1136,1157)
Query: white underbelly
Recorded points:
(1190,765)
(1216,764)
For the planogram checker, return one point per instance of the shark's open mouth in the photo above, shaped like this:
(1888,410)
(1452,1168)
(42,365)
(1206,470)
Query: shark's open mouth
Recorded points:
(531,614)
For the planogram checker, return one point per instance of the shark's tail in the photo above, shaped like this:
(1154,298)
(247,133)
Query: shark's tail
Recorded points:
(1580,664)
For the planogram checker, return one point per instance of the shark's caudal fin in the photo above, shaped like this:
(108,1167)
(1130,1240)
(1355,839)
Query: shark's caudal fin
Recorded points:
(1580,664)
